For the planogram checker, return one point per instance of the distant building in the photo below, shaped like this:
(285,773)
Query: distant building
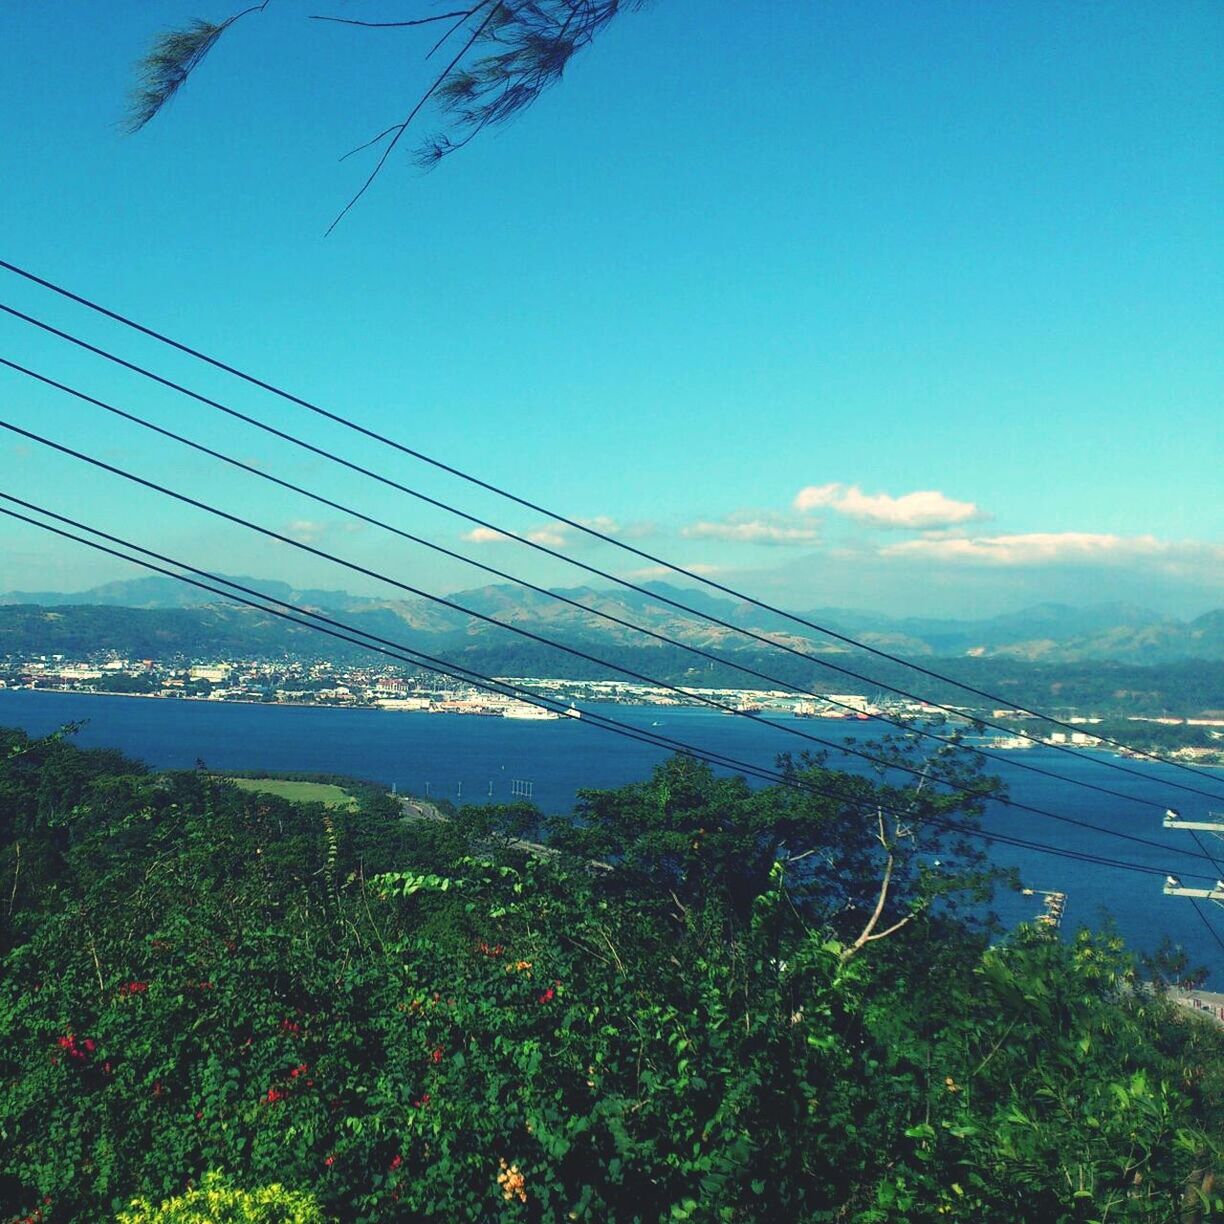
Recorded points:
(214,675)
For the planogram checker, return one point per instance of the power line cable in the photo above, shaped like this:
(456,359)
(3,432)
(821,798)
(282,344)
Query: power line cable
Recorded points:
(1211,858)
(575,524)
(585,566)
(908,726)
(400,652)
(1215,862)
(1206,922)
(377,575)
(456,671)
(443,601)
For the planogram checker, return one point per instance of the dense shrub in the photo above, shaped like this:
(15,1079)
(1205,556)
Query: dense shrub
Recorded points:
(674,1016)
(216,1202)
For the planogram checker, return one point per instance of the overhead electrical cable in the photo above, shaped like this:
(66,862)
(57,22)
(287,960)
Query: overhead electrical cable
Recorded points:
(455,606)
(267,532)
(509,535)
(369,642)
(575,524)
(1207,854)
(1215,862)
(1207,923)
(907,726)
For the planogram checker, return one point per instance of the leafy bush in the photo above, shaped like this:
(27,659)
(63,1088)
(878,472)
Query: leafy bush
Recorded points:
(215,1202)
(420,1020)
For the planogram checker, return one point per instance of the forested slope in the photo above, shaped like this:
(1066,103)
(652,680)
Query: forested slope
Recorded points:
(398,1019)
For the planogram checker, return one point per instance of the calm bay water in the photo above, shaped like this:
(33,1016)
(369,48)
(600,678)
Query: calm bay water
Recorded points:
(477,759)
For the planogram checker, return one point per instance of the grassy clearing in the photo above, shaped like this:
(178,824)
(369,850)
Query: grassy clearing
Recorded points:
(300,792)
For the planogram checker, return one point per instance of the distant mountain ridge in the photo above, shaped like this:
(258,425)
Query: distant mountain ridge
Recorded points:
(1045,633)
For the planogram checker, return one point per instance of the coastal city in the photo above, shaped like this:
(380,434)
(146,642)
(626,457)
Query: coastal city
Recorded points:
(526,698)
(284,682)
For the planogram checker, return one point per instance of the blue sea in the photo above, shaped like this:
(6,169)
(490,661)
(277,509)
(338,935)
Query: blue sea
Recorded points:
(469,759)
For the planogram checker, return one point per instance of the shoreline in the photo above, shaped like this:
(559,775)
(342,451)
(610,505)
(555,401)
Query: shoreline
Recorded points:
(640,705)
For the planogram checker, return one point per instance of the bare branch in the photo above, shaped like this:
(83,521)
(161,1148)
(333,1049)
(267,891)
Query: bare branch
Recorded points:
(612,948)
(16,877)
(896,926)
(865,935)
(391,25)
(401,128)
(509,52)
(445,37)
(869,932)
(372,141)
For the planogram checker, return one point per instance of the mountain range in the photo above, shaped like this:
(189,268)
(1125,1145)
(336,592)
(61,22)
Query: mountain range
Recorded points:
(1045,633)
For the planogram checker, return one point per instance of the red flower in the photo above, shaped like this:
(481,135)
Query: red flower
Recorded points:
(396,1161)
(331,1160)
(547,996)
(437,1055)
(90,1045)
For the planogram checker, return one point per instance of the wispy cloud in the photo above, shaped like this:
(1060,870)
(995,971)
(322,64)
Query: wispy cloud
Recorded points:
(652,572)
(922,508)
(1054,548)
(562,535)
(602,523)
(305,531)
(752,528)
(554,535)
(482,535)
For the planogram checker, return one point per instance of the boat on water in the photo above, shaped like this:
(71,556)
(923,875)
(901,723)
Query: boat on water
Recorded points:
(529,713)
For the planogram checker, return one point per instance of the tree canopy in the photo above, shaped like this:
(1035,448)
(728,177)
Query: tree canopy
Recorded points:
(670,1012)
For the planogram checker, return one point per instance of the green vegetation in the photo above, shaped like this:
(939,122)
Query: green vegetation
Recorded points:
(329,795)
(739,1021)
(215,1202)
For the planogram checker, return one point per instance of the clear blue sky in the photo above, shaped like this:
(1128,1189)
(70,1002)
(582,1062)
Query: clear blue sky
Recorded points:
(970,251)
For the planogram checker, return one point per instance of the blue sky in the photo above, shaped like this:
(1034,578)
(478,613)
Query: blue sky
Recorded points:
(897,306)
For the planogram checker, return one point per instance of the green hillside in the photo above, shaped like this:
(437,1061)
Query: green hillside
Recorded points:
(761,1012)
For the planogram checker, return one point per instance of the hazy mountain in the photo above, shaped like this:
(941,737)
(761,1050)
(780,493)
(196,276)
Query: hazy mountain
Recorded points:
(159,592)
(1048,633)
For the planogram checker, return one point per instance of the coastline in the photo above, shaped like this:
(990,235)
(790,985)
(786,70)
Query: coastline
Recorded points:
(642,705)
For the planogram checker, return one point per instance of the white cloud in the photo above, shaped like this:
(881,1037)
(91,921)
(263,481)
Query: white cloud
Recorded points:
(305,531)
(663,572)
(562,535)
(923,508)
(603,524)
(1053,548)
(482,535)
(742,529)
(553,535)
